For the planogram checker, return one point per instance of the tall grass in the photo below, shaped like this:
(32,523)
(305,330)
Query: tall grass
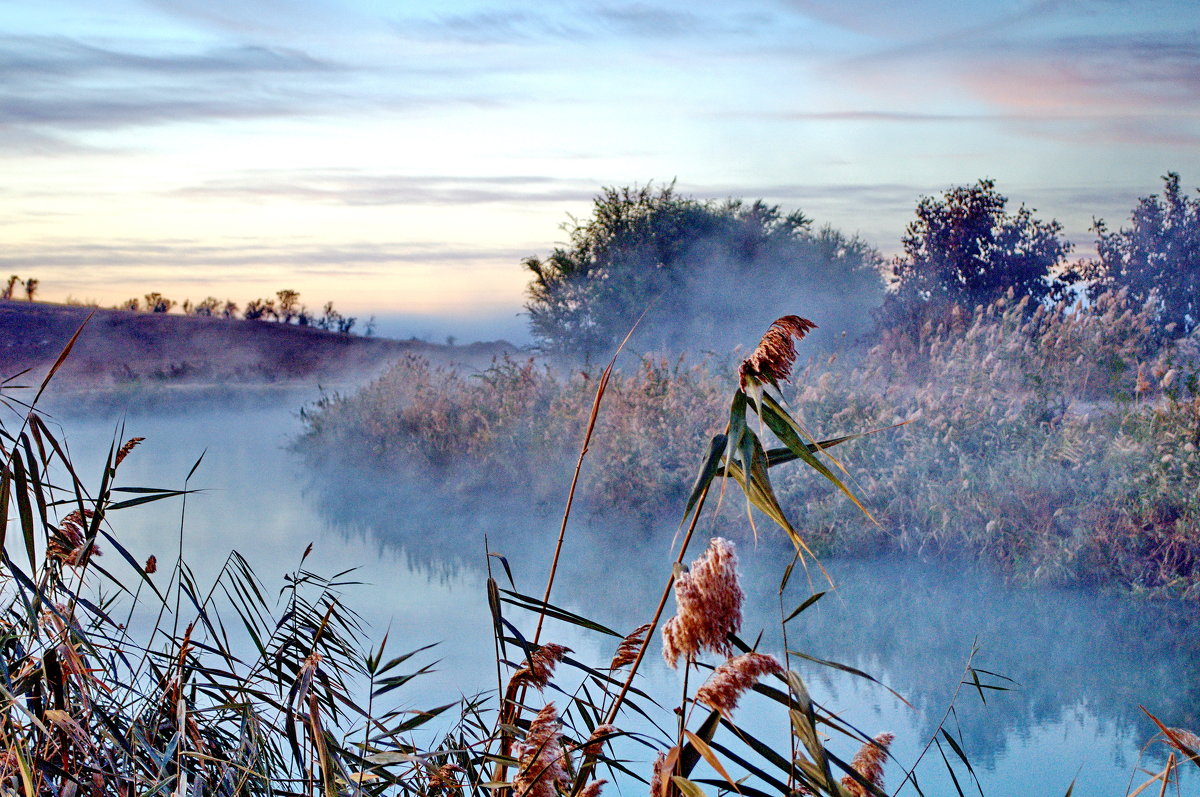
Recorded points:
(122,677)
(1057,443)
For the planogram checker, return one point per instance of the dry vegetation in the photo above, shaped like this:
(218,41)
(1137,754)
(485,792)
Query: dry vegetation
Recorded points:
(126,678)
(1059,443)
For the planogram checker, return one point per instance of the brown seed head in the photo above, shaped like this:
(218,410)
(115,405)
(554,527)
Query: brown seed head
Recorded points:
(446,777)
(540,666)
(592,789)
(730,681)
(627,651)
(772,361)
(708,605)
(659,776)
(130,444)
(595,741)
(67,543)
(868,762)
(151,565)
(540,758)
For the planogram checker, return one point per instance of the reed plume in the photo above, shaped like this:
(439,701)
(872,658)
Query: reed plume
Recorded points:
(868,763)
(730,681)
(659,776)
(595,741)
(69,541)
(123,452)
(771,362)
(592,789)
(627,651)
(151,565)
(540,758)
(540,666)
(708,600)
(446,777)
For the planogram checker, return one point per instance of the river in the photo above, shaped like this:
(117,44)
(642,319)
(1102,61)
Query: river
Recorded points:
(1080,663)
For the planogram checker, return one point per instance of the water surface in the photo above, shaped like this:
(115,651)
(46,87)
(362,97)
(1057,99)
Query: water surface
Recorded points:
(1080,663)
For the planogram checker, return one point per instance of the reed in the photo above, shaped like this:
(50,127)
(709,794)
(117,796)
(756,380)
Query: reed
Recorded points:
(229,692)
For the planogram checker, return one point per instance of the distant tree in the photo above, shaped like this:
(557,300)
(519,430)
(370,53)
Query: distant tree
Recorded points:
(157,303)
(712,272)
(133,304)
(259,309)
(1156,259)
(963,247)
(10,287)
(31,286)
(230,309)
(289,305)
(207,308)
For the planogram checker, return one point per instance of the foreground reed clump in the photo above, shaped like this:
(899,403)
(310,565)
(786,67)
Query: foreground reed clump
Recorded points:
(156,689)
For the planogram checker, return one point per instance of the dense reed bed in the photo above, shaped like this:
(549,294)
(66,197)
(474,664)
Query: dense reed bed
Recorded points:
(1058,442)
(127,677)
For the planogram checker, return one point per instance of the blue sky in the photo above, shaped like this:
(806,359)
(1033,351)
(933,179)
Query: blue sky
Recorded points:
(401,158)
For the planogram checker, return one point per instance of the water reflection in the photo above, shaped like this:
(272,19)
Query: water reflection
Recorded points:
(1083,662)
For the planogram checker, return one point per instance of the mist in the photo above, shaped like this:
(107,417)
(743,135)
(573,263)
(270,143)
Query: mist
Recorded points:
(421,567)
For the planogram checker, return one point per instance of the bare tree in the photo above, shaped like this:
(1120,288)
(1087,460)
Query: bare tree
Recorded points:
(31,286)
(7,293)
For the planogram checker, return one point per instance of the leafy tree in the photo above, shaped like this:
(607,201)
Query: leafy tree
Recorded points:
(10,287)
(711,271)
(1156,259)
(258,309)
(288,306)
(31,286)
(157,303)
(963,247)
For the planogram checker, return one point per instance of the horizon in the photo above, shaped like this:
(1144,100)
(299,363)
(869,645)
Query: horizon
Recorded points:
(402,164)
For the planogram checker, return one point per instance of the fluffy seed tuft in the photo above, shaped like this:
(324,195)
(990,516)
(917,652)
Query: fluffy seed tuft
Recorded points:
(730,681)
(708,600)
(772,361)
(868,762)
(540,758)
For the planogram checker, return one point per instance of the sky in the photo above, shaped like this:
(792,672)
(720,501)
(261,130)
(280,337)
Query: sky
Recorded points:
(400,159)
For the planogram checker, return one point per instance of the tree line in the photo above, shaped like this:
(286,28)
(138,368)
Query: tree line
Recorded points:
(695,262)
(285,307)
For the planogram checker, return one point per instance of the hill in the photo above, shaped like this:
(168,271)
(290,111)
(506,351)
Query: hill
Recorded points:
(119,347)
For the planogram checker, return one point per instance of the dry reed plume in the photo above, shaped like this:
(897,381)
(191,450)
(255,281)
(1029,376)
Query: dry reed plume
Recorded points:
(868,763)
(130,444)
(540,666)
(771,362)
(540,758)
(595,740)
(69,544)
(708,602)
(627,651)
(592,789)
(660,775)
(725,687)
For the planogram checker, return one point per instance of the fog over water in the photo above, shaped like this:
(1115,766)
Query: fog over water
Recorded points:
(1081,662)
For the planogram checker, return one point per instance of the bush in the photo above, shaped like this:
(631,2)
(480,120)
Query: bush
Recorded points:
(964,248)
(1156,259)
(712,274)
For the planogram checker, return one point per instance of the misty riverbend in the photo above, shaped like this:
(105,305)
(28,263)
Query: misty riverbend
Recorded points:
(1080,662)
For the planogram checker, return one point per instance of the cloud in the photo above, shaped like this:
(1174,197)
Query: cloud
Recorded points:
(52,88)
(341,187)
(588,23)
(178,257)
(42,57)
